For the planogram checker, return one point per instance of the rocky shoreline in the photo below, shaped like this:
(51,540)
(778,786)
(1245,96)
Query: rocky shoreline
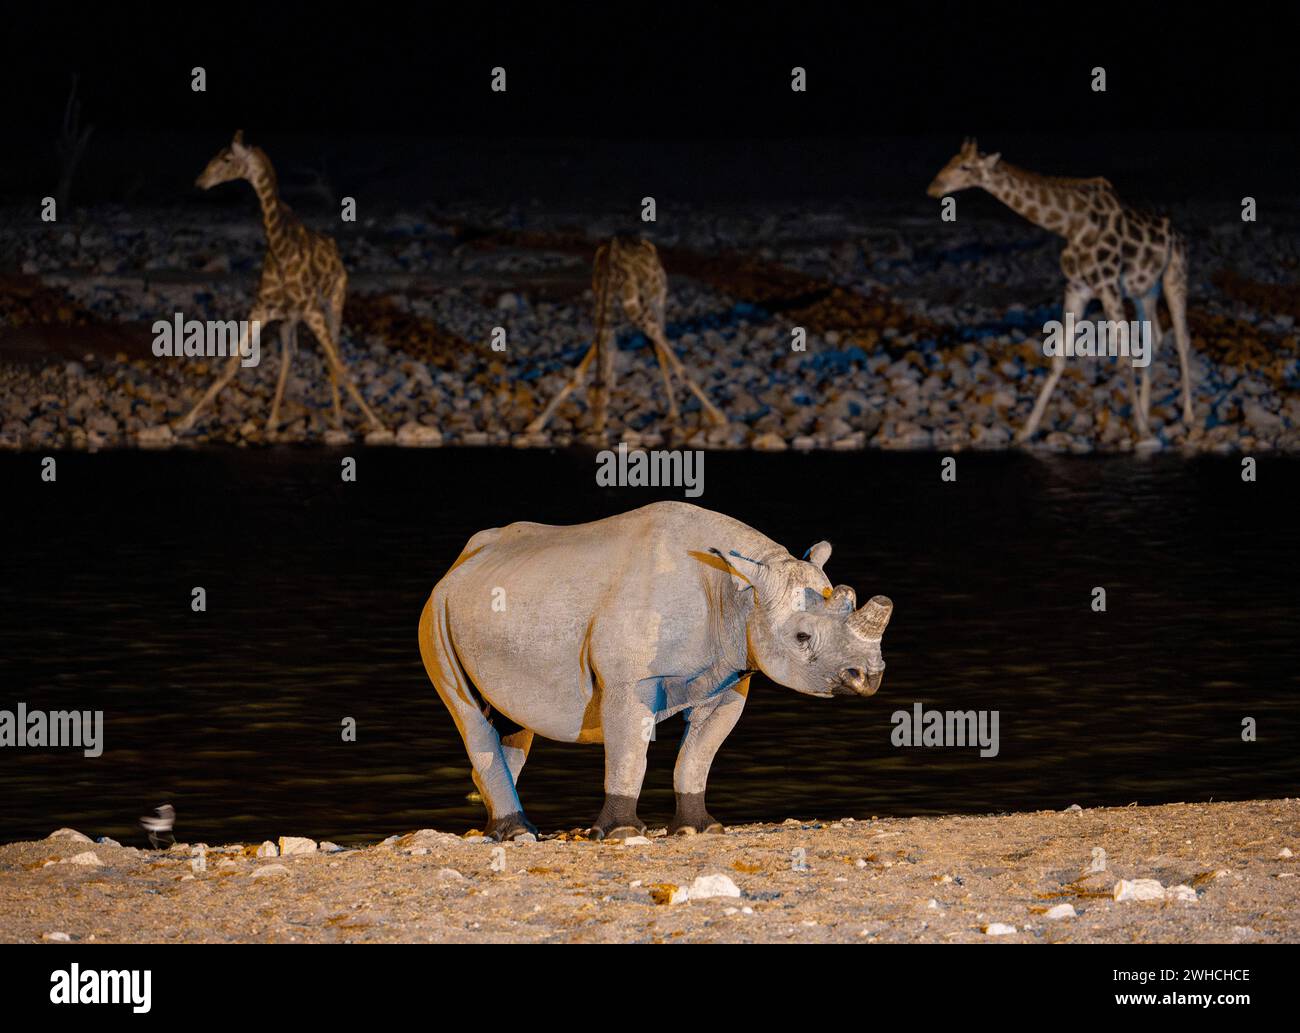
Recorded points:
(919,335)
(1210,872)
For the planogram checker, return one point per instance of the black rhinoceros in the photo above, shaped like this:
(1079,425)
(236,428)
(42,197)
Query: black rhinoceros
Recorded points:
(595,632)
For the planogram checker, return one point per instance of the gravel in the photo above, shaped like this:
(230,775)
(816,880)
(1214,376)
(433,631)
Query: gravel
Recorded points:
(1020,877)
(920,335)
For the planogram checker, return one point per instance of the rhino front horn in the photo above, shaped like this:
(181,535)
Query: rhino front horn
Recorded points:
(870,620)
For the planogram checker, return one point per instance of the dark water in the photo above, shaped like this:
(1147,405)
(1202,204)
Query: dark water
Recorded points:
(314,589)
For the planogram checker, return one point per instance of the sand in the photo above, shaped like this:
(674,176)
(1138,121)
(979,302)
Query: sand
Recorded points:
(946,879)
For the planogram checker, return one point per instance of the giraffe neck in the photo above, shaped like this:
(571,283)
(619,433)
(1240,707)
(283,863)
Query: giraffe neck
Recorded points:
(1035,198)
(274,221)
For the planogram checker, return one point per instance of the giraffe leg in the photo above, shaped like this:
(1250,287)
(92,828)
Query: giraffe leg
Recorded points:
(575,382)
(605,386)
(711,411)
(334,314)
(652,325)
(334,395)
(1175,284)
(334,305)
(666,370)
(1113,304)
(1146,310)
(288,342)
(317,324)
(647,315)
(224,378)
(1077,296)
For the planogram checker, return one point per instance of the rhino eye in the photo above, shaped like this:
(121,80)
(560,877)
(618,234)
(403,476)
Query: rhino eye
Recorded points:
(803,636)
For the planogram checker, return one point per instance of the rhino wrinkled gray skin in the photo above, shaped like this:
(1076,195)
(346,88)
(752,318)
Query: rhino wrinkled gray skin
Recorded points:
(595,632)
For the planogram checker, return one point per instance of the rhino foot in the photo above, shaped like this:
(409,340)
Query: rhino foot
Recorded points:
(617,819)
(691,817)
(510,825)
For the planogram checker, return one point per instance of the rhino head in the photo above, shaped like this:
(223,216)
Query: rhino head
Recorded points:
(805,635)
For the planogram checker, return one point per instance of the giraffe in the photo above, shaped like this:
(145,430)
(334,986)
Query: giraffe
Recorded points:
(1112,252)
(303,280)
(628,268)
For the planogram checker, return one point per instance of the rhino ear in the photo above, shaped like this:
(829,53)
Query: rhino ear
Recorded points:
(818,554)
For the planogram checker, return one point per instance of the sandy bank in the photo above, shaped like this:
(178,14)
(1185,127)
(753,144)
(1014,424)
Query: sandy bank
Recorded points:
(885,880)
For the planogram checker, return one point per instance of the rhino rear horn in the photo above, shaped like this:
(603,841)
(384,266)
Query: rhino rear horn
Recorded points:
(870,620)
(842,600)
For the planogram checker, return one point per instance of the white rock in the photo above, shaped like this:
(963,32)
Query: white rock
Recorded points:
(270,869)
(999,929)
(296,845)
(160,436)
(450,874)
(769,442)
(1139,889)
(1061,911)
(417,435)
(71,834)
(636,841)
(268,849)
(706,886)
(87,859)
(56,937)
(1181,893)
(1284,852)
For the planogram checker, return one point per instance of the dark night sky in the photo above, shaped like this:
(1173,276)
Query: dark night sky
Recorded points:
(639,71)
(395,99)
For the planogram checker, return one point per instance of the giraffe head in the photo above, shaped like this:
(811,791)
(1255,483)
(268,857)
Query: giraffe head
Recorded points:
(968,168)
(233,162)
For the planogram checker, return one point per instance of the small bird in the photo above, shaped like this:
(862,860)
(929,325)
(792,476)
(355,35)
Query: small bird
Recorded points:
(160,826)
